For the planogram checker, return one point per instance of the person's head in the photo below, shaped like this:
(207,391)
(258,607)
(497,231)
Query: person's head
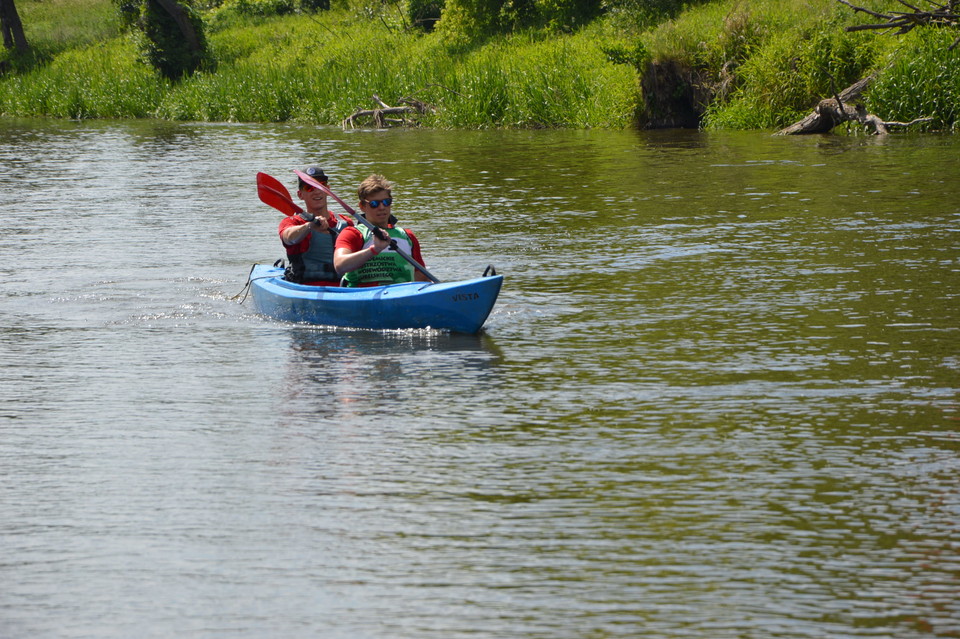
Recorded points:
(314,198)
(375,199)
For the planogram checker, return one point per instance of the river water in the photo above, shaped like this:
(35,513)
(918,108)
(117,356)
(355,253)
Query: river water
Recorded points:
(718,396)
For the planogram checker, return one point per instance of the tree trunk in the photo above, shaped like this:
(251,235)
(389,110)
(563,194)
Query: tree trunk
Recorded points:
(183,21)
(13,36)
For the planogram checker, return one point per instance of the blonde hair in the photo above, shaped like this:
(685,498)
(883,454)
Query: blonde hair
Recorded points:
(373,184)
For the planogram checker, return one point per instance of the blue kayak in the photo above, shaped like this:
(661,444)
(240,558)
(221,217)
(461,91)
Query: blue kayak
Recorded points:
(461,307)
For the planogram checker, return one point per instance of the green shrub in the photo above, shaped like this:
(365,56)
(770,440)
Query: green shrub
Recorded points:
(468,21)
(566,15)
(790,73)
(260,7)
(647,13)
(164,45)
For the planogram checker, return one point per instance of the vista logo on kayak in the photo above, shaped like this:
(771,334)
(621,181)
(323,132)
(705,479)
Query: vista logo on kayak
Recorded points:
(465,297)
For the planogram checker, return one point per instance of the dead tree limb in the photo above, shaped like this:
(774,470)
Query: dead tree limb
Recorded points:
(378,117)
(829,114)
(835,111)
(838,110)
(939,15)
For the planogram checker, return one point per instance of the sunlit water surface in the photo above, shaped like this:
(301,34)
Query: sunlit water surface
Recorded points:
(717,398)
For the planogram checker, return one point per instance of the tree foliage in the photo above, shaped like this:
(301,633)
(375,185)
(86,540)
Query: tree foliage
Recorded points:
(171,35)
(474,20)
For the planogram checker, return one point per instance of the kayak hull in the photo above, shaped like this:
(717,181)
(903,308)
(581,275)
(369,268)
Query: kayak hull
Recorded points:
(460,307)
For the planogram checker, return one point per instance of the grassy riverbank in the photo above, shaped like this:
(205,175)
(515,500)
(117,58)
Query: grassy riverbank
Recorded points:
(757,64)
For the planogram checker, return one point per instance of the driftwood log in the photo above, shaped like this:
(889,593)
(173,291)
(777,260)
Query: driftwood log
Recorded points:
(380,117)
(840,109)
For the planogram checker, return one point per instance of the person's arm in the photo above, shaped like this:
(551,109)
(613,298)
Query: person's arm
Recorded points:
(350,254)
(295,233)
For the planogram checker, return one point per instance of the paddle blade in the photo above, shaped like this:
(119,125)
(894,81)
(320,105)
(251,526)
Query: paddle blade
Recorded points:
(273,193)
(264,179)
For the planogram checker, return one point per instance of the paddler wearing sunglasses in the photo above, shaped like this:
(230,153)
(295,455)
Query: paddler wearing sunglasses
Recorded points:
(363,258)
(309,237)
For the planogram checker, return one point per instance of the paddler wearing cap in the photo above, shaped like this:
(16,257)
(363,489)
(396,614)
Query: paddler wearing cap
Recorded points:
(367,258)
(310,237)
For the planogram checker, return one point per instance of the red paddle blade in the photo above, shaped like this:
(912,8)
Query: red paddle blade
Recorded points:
(268,180)
(273,193)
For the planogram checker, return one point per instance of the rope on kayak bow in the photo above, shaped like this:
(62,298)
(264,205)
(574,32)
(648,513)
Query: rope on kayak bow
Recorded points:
(490,270)
(246,287)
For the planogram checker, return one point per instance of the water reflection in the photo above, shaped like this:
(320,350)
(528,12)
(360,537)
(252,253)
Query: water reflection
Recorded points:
(344,375)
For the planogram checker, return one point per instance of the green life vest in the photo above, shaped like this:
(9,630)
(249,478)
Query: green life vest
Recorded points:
(389,267)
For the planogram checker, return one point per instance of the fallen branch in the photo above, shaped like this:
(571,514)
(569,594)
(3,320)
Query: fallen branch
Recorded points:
(378,117)
(941,15)
(831,112)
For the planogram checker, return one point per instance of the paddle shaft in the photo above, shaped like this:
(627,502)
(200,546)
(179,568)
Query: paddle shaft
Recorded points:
(362,220)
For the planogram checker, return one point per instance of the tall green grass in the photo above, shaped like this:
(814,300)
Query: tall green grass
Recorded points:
(309,74)
(566,82)
(320,70)
(922,80)
(711,35)
(55,26)
(790,72)
(98,81)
